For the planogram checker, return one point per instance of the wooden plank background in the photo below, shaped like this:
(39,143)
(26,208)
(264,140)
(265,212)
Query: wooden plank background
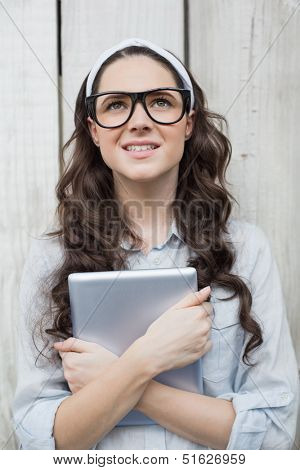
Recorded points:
(29,161)
(245,56)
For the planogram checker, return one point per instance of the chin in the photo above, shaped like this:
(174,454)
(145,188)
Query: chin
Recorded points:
(142,178)
(142,174)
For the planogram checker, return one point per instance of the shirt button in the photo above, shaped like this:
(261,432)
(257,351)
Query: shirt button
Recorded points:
(284,395)
(156,260)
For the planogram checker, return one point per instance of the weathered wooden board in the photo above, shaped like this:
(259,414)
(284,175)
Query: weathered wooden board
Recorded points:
(29,161)
(246,56)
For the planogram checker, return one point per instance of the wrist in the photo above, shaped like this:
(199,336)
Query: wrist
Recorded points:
(142,403)
(140,354)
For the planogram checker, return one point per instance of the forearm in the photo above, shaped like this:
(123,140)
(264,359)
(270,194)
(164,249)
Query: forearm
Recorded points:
(205,420)
(88,415)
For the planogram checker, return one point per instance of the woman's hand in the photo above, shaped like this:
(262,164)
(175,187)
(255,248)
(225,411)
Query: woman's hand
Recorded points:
(82,361)
(179,336)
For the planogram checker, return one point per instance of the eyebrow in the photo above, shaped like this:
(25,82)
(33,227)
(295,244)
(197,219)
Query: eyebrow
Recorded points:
(115,95)
(119,94)
(162,92)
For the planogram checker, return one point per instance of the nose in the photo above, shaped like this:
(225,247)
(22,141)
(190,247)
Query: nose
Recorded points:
(139,118)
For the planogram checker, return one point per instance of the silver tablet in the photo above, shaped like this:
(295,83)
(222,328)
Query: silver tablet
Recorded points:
(114,308)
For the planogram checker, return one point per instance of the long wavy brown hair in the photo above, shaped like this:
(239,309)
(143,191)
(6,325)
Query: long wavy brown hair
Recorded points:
(87,206)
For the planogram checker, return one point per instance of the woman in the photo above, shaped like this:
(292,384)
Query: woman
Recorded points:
(144,188)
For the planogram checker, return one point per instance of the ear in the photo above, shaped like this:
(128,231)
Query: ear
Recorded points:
(93,131)
(189,125)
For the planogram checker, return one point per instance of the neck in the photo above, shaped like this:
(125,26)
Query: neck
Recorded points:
(148,204)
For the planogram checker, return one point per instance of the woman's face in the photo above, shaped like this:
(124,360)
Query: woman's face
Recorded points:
(140,73)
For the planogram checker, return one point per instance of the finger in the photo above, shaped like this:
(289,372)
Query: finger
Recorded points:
(208,346)
(208,308)
(75,345)
(194,298)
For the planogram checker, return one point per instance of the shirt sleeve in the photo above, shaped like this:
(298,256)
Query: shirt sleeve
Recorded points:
(41,387)
(266,396)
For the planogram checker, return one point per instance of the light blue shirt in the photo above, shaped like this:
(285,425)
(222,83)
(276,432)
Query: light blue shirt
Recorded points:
(265,398)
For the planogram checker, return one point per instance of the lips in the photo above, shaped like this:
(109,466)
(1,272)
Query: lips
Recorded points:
(140,143)
(141,154)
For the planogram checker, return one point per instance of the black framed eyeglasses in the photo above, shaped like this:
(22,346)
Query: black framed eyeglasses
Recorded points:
(114,108)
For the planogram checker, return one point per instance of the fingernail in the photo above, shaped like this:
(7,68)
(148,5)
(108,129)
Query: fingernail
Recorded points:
(205,290)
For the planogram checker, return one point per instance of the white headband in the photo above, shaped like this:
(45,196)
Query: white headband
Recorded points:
(141,42)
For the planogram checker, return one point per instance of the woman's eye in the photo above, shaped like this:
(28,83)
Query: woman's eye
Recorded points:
(115,106)
(162,102)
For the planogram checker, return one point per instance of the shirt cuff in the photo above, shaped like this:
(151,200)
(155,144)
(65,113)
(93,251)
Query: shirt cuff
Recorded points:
(34,427)
(254,416)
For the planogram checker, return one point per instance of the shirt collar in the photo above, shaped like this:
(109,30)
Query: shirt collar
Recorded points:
(172,231)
